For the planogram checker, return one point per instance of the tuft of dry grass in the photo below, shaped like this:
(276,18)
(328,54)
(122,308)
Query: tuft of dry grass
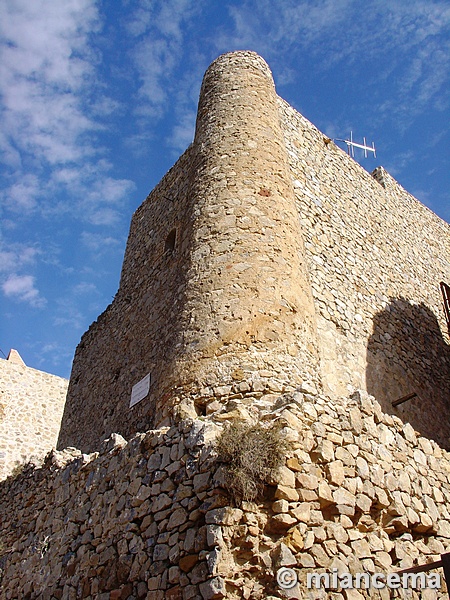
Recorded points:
(251,454)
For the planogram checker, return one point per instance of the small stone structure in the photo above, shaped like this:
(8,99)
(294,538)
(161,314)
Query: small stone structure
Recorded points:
(31,407)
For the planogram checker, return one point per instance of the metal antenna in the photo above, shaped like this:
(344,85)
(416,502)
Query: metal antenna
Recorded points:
(351,145)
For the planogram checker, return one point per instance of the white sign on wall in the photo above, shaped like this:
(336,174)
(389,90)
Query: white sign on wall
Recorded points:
(140,390)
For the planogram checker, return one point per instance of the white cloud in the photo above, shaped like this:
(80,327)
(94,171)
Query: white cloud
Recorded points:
(98,243)
(183,132)
(155,60)
(22,195)
(45,64)
(48,77)
(16,256)
(272,28)
(159,49)
(97,197)
(84,287)
(169,61)
(68,313)
(23,288)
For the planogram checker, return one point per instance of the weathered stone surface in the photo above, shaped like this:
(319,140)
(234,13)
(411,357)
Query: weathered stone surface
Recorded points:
(344,527)
(31,408)
(224,516)
(280,506)
(336,472)
(187,562)
(361,549)
(302,512)
(294,539)
(443,528)
(324,493)
(286,493)
(213,588)
(282,522)
(325,451)
(368,301)
(177,518)
(284,477)
(342,496)
(201,482)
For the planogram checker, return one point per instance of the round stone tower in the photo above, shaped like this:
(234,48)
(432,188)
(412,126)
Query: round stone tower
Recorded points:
(214,300)
(249,315)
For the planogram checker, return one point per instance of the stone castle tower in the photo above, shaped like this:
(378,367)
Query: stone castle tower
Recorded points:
(264,260)
(267,278)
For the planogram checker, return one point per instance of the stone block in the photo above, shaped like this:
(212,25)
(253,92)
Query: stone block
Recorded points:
(213,589)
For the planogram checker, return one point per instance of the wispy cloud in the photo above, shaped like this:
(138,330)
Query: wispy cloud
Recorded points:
(155,59)
(22,287)
(55,173)
(14,284)
(98,197)
(16,256)
(158,32)
(84,287)
(22,194)
(98,243)
(271,28)
(69,313)
(44,66)
(408,40)
(183,131)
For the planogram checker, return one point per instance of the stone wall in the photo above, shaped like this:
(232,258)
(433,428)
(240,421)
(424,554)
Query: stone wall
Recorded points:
(128,522)
(31,407)
(360,492)
(139,333)
(375,257)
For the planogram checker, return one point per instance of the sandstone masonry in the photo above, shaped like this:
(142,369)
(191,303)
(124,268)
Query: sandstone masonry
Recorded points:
(360,492)
(375,257)
(31,407)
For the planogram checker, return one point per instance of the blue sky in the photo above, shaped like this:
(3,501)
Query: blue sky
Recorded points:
(98,100)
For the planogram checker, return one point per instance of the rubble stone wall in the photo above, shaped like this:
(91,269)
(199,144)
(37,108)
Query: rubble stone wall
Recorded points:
(31,407)
(376,257)
(360,492)
(128,522)
(140,331)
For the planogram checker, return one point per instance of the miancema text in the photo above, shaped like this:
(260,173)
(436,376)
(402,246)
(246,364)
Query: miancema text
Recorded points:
(377,581)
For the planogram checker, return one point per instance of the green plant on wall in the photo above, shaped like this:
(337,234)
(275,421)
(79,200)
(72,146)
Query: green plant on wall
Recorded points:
(251,454)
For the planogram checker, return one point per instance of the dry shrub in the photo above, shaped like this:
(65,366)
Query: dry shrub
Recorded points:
(251,454)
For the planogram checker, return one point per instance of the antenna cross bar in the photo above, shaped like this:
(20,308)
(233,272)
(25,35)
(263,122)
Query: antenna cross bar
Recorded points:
(351,145)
